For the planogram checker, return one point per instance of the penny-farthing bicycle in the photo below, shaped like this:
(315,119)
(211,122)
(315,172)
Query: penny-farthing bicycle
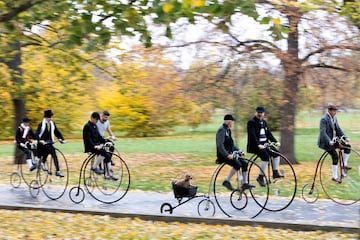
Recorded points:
(51,174)
(22,172)
(240,202)
(282,190)
(345,191)
(102,187)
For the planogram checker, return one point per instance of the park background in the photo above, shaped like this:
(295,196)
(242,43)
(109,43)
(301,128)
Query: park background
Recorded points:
(167,71)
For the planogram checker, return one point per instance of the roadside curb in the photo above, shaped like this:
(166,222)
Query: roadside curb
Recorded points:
(183,219)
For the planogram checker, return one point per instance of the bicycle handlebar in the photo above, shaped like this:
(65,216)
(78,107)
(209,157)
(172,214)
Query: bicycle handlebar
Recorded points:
(269,144)
(238,154)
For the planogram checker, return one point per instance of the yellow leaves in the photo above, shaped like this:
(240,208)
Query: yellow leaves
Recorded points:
(276,21)
(197,3)
(167,7)
(31,225)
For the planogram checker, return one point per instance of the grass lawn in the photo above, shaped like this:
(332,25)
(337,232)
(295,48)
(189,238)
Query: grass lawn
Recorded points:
(154,162)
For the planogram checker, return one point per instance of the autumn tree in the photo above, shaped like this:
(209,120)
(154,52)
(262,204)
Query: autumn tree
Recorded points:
(303,36)
(149,99)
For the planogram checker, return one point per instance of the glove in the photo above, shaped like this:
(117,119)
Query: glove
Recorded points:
(62,141)
(113,137)
(23,145)
(261,146)
(42,142)
(277,144)
(347,139)
(97,147)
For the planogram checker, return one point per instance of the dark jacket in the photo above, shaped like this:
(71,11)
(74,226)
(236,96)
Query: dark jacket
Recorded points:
(253,129)
(326,131)
(91,137)
(19,135)
(46,135)
(224,143)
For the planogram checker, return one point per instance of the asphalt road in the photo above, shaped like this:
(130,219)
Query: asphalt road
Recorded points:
(321,215)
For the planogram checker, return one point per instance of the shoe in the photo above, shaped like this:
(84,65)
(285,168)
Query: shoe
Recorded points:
(43,167)
(260,180)
(97,171)
(32,168)
(337,180)
(247,186)
(111,178)
(227,184)
(59,174)
(347,167)
(276,174)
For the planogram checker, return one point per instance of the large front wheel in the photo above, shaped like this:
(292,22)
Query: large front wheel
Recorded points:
(229,202)
(104,188)
(347,192)
(282,191)
(55,179)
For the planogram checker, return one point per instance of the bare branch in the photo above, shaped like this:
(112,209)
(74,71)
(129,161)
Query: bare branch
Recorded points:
(323,49)
(323,65)
(22,8)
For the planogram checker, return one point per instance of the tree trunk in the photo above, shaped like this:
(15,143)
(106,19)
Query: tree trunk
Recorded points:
(287,129)
(292,69)
(17,97)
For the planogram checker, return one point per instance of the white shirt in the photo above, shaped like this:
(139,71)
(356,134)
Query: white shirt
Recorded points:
(102,127)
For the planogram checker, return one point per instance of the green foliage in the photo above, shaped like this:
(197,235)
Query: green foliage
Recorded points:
(351,9)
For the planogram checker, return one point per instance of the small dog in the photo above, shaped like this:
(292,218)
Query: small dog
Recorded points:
(186,182)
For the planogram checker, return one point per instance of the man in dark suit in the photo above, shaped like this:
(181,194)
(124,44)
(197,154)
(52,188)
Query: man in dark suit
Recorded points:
(258,135)
(93,142)
(45,134)
(329,132)
(224,151)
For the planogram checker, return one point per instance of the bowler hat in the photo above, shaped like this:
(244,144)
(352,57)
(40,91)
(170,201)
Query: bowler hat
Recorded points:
(229,117)
(260,109)
(48,113)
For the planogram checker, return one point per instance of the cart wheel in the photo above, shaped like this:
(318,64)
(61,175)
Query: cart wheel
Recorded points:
(76,194)
(238,199)
(15,179)
(34,188)
(310,193)
(166,207)
(206,208)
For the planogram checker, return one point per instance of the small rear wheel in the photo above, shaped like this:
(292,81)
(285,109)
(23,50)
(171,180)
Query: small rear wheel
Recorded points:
(310,193)
(238,199)
(206,208)
(15,179)
(166,207)
(34,188)
(76,194)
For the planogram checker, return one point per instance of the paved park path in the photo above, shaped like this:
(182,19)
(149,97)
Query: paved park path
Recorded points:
(321,215)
